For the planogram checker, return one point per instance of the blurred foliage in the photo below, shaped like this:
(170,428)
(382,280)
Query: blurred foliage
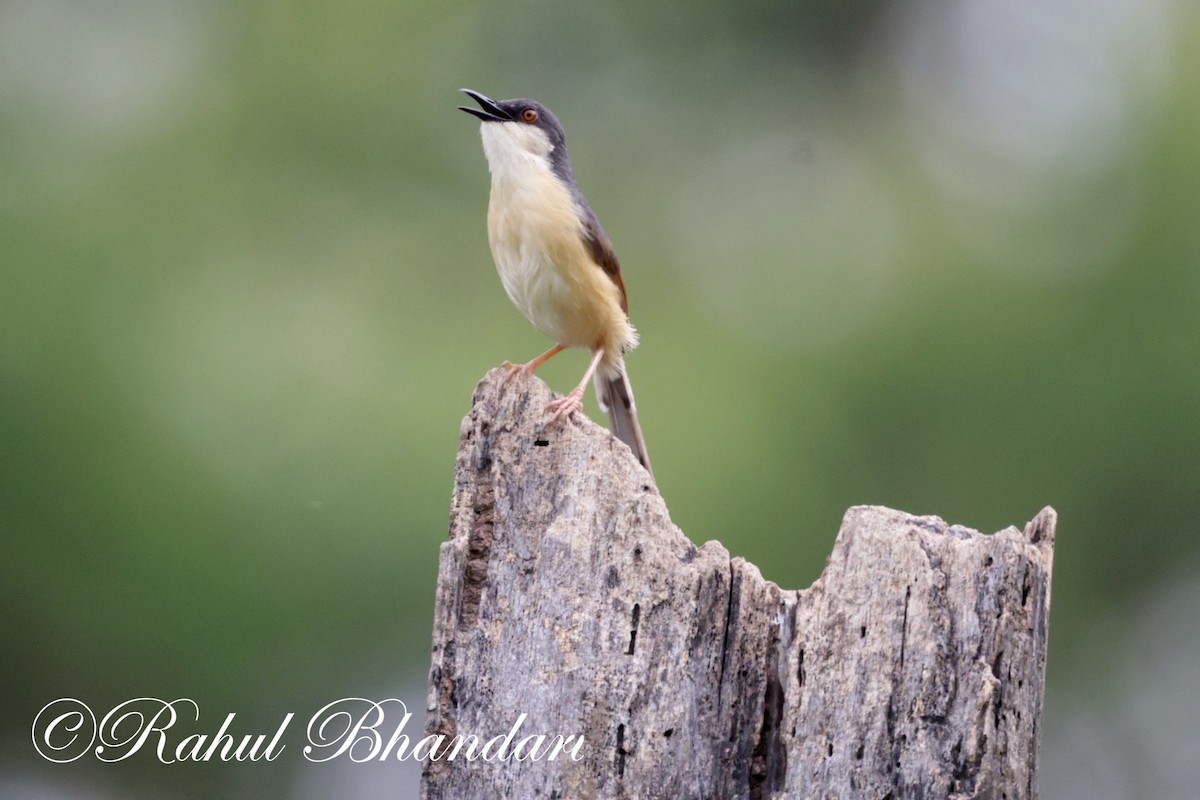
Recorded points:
(246,293)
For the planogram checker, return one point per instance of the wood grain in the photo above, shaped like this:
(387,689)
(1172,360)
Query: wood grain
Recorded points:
(913,668)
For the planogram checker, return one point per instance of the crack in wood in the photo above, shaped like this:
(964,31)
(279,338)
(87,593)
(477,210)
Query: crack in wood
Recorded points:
(768,767)
(726,633)
(637,613)
(621,753)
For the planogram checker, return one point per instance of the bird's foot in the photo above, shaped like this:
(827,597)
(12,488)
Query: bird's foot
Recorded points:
(517,369)
(566,405)
(528,369)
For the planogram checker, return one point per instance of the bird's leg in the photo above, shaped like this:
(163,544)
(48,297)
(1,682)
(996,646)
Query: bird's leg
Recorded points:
(528,369)
(573,401)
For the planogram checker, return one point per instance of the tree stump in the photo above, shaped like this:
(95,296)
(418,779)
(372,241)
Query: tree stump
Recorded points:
(567,601)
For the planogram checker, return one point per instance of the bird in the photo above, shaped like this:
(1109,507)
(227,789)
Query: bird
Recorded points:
(555,261)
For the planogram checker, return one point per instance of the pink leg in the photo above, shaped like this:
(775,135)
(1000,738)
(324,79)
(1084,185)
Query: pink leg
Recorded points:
(571,402)
(528,369)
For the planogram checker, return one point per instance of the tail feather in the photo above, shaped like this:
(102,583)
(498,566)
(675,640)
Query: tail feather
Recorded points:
(616,397)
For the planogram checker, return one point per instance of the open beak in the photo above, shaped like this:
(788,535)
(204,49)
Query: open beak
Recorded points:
(488,110)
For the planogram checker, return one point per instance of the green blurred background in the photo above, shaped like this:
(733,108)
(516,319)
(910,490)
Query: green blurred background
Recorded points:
(939,257)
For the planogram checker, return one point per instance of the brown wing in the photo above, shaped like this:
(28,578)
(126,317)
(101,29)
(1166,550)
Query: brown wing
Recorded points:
(601,249)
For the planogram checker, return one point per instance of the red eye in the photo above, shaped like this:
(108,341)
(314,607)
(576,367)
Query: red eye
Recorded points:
(529,115)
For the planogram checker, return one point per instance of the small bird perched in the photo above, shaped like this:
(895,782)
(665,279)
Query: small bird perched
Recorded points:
(554,259)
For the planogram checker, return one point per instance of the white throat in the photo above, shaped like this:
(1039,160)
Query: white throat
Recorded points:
(514,150)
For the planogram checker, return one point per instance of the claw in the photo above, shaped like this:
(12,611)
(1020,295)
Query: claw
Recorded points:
(528,369)
(566,405)
(515,369)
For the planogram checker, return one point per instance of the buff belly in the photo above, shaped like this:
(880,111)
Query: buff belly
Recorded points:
(550,276)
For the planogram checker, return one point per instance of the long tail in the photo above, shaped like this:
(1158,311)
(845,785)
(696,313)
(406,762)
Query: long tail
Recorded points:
(616,397)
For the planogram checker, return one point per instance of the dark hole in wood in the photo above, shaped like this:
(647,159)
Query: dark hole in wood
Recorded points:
(621,751)
(637,615)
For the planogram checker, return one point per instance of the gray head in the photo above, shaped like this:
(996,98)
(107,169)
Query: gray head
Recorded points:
(527,125)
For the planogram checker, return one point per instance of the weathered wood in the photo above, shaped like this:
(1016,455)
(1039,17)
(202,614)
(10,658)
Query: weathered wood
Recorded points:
(912,668)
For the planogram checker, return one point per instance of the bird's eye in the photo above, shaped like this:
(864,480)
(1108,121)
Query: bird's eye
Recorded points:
(529,115)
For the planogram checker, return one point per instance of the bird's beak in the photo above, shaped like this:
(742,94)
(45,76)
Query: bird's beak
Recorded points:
(488,111)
